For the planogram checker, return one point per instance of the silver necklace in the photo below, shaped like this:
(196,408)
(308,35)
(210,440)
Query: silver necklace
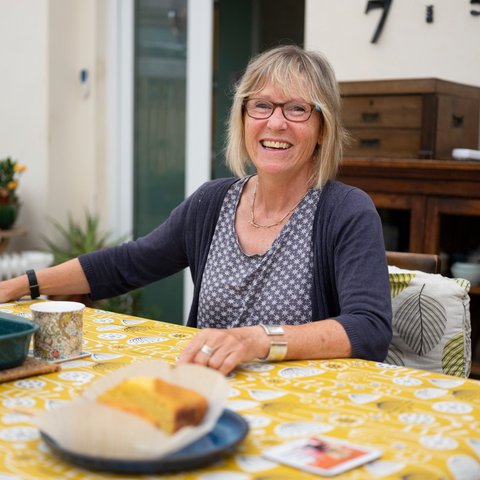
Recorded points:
(269,225)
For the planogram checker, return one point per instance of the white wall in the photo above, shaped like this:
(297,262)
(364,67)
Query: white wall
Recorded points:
(24,129)
(448,48)
(47,121)
(77,148)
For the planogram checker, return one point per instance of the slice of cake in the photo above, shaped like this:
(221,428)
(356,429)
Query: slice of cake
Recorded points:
(166,405)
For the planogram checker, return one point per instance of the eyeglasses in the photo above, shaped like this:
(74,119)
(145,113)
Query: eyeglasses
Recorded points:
(261,109)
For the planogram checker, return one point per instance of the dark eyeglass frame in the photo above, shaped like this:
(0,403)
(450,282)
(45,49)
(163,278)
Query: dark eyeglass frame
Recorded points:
(282,107)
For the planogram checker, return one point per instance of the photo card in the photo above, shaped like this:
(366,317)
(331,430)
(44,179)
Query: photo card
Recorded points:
(322,455)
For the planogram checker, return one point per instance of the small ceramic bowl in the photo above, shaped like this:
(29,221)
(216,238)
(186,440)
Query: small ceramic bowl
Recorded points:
(15,335)
(468,270)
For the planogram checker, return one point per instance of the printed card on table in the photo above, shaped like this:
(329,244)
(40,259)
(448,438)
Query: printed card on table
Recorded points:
(322,455)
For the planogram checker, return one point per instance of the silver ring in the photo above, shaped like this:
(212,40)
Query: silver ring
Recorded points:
(207,350)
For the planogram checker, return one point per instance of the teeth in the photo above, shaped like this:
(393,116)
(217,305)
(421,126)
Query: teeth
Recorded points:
(270,144)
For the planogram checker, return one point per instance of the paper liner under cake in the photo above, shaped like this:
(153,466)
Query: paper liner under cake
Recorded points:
(90,428)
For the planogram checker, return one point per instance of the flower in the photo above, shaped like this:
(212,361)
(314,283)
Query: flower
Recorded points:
(10,171)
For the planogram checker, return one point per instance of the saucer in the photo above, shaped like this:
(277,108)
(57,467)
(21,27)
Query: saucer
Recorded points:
(229,431)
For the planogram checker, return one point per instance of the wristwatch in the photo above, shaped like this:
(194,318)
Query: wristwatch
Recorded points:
(278,350)
(33,284)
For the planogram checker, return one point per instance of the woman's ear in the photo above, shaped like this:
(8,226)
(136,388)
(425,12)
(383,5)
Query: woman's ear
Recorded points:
(321,128)
(320,135)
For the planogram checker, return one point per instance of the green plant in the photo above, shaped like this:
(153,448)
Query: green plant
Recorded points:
(76,239)
(10,170)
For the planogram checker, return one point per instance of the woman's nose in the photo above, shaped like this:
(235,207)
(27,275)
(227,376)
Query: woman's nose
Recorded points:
(277,118)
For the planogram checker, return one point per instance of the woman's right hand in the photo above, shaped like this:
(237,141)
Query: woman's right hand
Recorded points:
(13,288)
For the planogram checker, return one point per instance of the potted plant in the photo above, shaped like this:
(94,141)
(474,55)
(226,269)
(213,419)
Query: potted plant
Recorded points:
(77,239)
(10,171)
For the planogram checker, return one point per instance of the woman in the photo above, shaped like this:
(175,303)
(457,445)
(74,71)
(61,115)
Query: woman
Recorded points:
(286,263)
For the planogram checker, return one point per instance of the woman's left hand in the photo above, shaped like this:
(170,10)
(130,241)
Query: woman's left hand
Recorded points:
(224,349)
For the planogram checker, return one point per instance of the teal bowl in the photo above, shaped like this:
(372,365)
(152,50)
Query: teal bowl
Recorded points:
(15,335)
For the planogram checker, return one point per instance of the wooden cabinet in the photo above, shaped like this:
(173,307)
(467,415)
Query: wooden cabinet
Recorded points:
(414,118)
(426,189)
(440,201)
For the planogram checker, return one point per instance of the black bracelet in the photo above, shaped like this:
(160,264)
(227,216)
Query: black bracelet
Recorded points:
(33,282)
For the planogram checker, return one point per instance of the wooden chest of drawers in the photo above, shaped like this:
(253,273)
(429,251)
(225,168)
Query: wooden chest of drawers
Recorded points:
(414,118)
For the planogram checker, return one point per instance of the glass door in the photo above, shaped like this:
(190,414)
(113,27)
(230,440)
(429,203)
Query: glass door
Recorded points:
(243,28)
(159,134)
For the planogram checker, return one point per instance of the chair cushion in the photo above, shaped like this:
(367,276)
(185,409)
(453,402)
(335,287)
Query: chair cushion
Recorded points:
(431,322)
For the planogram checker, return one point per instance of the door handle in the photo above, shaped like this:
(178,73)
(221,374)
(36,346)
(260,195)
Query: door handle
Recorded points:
(457,120)
(370,117)
(369,143)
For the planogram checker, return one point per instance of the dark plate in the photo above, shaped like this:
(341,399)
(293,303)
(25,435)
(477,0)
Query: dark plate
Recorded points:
(228,432)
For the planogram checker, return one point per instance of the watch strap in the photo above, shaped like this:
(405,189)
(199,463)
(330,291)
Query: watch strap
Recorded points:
(33,284)
(277,352)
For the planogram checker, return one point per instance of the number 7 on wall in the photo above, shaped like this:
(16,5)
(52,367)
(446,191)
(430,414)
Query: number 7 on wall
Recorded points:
(383,4)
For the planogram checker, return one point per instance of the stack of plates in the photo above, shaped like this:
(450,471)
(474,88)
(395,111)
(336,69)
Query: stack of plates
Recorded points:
(465,154)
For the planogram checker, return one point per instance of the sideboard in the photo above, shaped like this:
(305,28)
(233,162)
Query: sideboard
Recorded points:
(427,189)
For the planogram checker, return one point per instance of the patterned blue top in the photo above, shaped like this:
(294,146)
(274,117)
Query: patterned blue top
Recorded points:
(274,287)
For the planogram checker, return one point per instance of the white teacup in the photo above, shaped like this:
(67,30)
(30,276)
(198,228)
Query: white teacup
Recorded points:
(61,329)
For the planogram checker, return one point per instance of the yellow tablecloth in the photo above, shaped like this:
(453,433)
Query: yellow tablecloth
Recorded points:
(427,424)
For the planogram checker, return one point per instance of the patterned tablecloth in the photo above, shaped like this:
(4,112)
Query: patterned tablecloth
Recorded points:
(427,424)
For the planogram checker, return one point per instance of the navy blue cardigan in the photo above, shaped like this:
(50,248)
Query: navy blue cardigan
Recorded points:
(350,274)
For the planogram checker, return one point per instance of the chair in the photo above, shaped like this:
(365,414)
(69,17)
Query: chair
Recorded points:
(431,316)
(425,262)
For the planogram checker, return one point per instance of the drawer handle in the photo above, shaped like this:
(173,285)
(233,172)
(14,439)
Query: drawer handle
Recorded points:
(457,120)
(369,142)
(370,117)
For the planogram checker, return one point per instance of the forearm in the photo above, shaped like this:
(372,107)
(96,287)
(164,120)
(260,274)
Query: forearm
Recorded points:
(322,339)
(66,278)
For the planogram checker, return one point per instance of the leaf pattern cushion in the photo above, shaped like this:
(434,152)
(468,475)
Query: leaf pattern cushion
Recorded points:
(431,322)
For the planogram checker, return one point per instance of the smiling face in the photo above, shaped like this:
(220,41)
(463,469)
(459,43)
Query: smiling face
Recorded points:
(278,146)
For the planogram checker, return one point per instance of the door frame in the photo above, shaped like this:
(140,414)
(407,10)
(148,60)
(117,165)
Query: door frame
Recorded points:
(120,97)
(120,87)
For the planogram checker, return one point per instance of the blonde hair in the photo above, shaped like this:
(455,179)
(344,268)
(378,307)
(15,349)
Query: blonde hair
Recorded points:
(296,72)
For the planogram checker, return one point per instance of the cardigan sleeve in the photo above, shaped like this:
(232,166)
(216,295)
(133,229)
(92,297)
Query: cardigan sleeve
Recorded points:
(122,268)
(353,282)
(181,241)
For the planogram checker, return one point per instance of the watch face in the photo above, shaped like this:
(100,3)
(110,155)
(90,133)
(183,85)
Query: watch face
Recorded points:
(276,330)
(273,329)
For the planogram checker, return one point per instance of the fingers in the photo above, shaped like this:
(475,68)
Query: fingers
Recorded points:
(191,350)
(208,351)
(198,351)
(224,364)
(215,348)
